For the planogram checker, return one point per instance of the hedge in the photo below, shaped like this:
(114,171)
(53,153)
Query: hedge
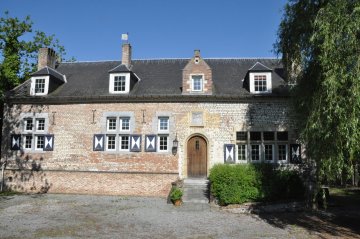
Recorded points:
(232,184)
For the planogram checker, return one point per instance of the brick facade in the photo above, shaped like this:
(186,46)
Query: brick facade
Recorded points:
(73,166)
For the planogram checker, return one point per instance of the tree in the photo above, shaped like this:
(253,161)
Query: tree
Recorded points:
(19,57)
(320,45)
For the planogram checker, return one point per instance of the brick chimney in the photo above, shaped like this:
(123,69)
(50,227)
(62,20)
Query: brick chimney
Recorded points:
(46,57)
(126,54)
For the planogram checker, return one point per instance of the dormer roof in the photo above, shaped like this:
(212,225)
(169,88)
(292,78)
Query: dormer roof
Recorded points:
(119,68)
(259,67)
(48,71)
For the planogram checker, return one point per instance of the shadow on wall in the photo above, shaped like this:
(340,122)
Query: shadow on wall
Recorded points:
(23,172)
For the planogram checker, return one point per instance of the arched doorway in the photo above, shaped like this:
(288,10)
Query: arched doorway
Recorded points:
(197,157)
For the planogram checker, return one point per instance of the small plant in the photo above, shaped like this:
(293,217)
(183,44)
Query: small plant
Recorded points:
(175,194)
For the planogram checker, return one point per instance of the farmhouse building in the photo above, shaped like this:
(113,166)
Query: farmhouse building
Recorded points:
(132,127)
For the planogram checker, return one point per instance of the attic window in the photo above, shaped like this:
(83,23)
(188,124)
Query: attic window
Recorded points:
(119,83)
(260,82)
(39,85)
(197,83)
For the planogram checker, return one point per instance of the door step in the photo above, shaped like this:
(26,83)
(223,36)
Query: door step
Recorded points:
(195,190)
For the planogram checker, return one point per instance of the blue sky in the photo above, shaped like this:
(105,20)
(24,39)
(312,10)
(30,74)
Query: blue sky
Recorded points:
(91,30)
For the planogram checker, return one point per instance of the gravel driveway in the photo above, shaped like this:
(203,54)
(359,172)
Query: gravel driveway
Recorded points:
(84,216)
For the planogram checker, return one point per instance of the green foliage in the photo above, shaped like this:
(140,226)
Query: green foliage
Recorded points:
(320,45)
(19,57)
(254,182)
(175,194)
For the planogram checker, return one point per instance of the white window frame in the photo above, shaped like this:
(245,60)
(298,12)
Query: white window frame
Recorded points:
(107,142)
(251,153)
(159,124)
(33,83)
(31,143)
(36,142)
(272,152)
(286,152)
(159,142)
(193,82)
(268,82)
(111,83)
(26,120)
(122,121)
(120,143)
(37,124)
(246,152)
(108,124)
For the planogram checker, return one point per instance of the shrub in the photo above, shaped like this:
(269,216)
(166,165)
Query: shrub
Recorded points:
(254,182)
(175,194)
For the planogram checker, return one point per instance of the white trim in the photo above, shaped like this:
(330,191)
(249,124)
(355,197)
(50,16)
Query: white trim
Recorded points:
(286,153)
(192,82)
(255,161)
(37,124)
(121,124)
(167,144)
(272,153)
(127,83)
(168,124)
(25,120)
(24,141)
(237,153)
(36,140)
(120,143)
(107,124)
(32,86)
(107,142)
(261,65)
(268,82)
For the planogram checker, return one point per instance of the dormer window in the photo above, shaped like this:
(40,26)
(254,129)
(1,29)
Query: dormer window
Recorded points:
(197,83)
(39,85)
(119,83)
(260,82)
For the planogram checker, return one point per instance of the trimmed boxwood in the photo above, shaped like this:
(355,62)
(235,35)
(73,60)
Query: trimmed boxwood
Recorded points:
(232,184)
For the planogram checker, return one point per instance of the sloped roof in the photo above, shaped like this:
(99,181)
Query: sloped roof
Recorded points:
(159,79)
(259,67)
(51,72)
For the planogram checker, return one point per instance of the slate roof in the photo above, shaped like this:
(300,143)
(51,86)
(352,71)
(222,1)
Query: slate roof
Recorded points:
(51,72)
(159,79)
(259,67)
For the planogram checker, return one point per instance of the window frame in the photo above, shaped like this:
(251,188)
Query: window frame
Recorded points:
(36,142)
(286,152)
(33,85)
(268,82)
(239,145)
(122,118)
(272,152)
(167,124)
(37,123)
(259,160)
(112,83)
(25,141)
(160,141)
(192,80)
(26,120)
(121,143)
(107,143)
(108,124)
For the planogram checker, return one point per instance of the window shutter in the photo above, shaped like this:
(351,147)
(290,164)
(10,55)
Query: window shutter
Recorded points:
(150,143)
(229,153)
(15,141)
(98,142)
(295,153)
(49,142)
(135,143)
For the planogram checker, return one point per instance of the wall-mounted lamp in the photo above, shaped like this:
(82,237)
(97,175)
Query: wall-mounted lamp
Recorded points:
(175,145)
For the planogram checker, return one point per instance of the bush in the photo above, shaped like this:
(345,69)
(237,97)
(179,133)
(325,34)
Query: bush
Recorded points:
(254,182)
(175,194)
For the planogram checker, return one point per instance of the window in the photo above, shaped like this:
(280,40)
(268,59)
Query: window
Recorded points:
(242,152)
(111,124)
(28,142)
(255,136)
(111,142)
(282,136)
(282,152)
(241,135)
(269,152)
(197,82)
(119,83)
(268,136)
(163,124)
(260,83)
(125,124)
(124,142)
(28,124)
(40,141)
(255,152)
(40,124)
(163,143)
(39,85)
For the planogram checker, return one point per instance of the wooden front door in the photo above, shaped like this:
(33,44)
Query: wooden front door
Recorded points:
(197,157)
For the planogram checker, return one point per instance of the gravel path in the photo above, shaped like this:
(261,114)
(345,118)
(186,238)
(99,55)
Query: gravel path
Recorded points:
(84,216)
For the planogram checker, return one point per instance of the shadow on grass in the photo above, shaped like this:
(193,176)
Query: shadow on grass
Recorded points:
(341,219)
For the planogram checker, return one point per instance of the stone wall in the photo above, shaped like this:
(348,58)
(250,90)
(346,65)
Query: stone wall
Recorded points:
(73,166)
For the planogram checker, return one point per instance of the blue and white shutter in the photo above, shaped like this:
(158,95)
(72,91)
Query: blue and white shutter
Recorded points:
(15,140)
(229,153)
(295,153)
(150,143)
(49,142)
(135,143)
(99,141)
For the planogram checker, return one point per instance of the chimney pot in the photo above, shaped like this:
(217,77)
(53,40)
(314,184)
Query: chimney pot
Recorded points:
(46,57)
(126,54)
(197,53)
